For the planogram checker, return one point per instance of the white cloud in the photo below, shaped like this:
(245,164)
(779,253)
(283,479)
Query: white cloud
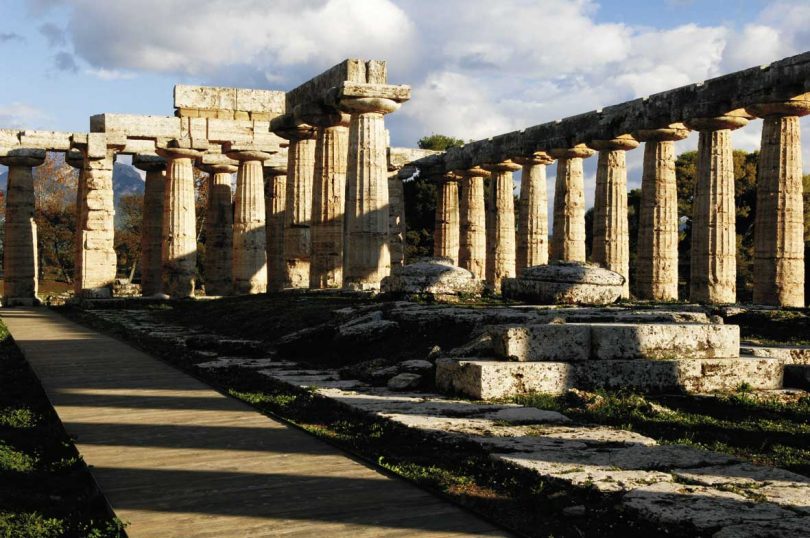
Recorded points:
(110,74)
(21,115)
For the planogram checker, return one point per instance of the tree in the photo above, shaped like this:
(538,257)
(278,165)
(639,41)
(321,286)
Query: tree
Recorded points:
(439,142)
(128,233)
(55,214)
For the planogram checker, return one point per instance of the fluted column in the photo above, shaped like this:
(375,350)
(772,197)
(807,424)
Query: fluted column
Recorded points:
(396,217)
(501,225)
(446,233)
(218,266)
(329,190)
(366,256)
(532,230)
(249,235)
(152,226)
(275,199)
(179,253)
(657,257)
(20,237)
(713,254)
(96,262)
(297,231)
(611,238)
(568,236)
(779,222)
(472,251)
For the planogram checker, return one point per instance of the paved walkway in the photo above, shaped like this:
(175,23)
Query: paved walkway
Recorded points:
(176,458)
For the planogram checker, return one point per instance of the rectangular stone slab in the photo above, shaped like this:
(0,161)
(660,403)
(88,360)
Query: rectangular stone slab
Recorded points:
(231,99)
(610,341)
(492,379)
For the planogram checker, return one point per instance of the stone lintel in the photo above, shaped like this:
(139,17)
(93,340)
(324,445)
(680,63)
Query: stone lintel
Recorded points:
(351,70)
(249,100)
(399,93)
(135,126)
(779,81)
(96,145)
(11,139)
(400,157)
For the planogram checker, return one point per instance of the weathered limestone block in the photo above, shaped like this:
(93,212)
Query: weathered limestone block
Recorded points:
(487,379)
(152,228)
(20,257)
(434,279)
(275,193)
(329,190)
(565,283)
(179,252)
(568,236)
(657,257)
(501,224)
(249,235)
(611,238)
(366,254)
(446,235)
(532,232)
(713,256)
(778,226)
(219,227)
(472,252)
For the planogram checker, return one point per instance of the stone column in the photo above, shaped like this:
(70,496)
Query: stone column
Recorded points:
(446,234)
(297,231)
(20,257)
(96,264)
(366,254)
(501,225)
(657,256)
(328,200)
(179,252)
(532,232)
(275,199)
(713,255)
(396,217)
(75,158)
(152,227)
(249,234)
(568,236)
(779,222)
(218,266)
(472,252)
(611,238)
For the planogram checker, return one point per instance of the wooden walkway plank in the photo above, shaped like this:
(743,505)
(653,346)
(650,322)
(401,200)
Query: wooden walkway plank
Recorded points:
(176,458)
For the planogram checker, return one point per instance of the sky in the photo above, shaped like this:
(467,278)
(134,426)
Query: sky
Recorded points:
(477,68)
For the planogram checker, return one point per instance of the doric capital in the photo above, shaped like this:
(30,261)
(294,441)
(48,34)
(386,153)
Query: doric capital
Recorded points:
(274,171)
(246,152)
(732,120)
(74,158)
(622,142)
(670,133)
(538,157)
(580,151)
(475,171)
(319,115)
(365,98)
(289,127)
(798,106)
(220,168)
(179,153)
(23,157)
(95,146)
(367,105)
(149,163)
(505,166)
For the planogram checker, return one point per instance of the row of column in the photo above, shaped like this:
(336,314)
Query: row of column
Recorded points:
(488,249)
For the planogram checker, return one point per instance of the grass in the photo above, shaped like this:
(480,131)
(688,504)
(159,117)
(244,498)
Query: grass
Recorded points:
(774,327)
(766,431)
(45,488)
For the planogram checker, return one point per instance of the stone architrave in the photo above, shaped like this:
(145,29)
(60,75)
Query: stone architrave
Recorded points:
(366,254)
(328,200)
(275,195)
(657,256)
(713,253)
(472,251)
(611,237)
(532,229)
(501,225)
(568,236)
(446,234)
(152,228)
(218,266)
(179,252)
(96,263)
(20,239)
(249,235)
(779,221)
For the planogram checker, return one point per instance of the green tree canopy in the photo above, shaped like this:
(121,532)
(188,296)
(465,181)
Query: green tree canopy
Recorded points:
(439,142)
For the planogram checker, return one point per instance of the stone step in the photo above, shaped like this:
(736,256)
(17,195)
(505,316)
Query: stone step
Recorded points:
(793,354)
(568,342)
(491,379)
(797,376)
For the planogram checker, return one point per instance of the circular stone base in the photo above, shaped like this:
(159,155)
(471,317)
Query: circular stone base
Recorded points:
(435,278)
(565,283)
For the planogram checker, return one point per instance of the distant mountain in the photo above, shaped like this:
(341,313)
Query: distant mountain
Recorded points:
(126,180)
